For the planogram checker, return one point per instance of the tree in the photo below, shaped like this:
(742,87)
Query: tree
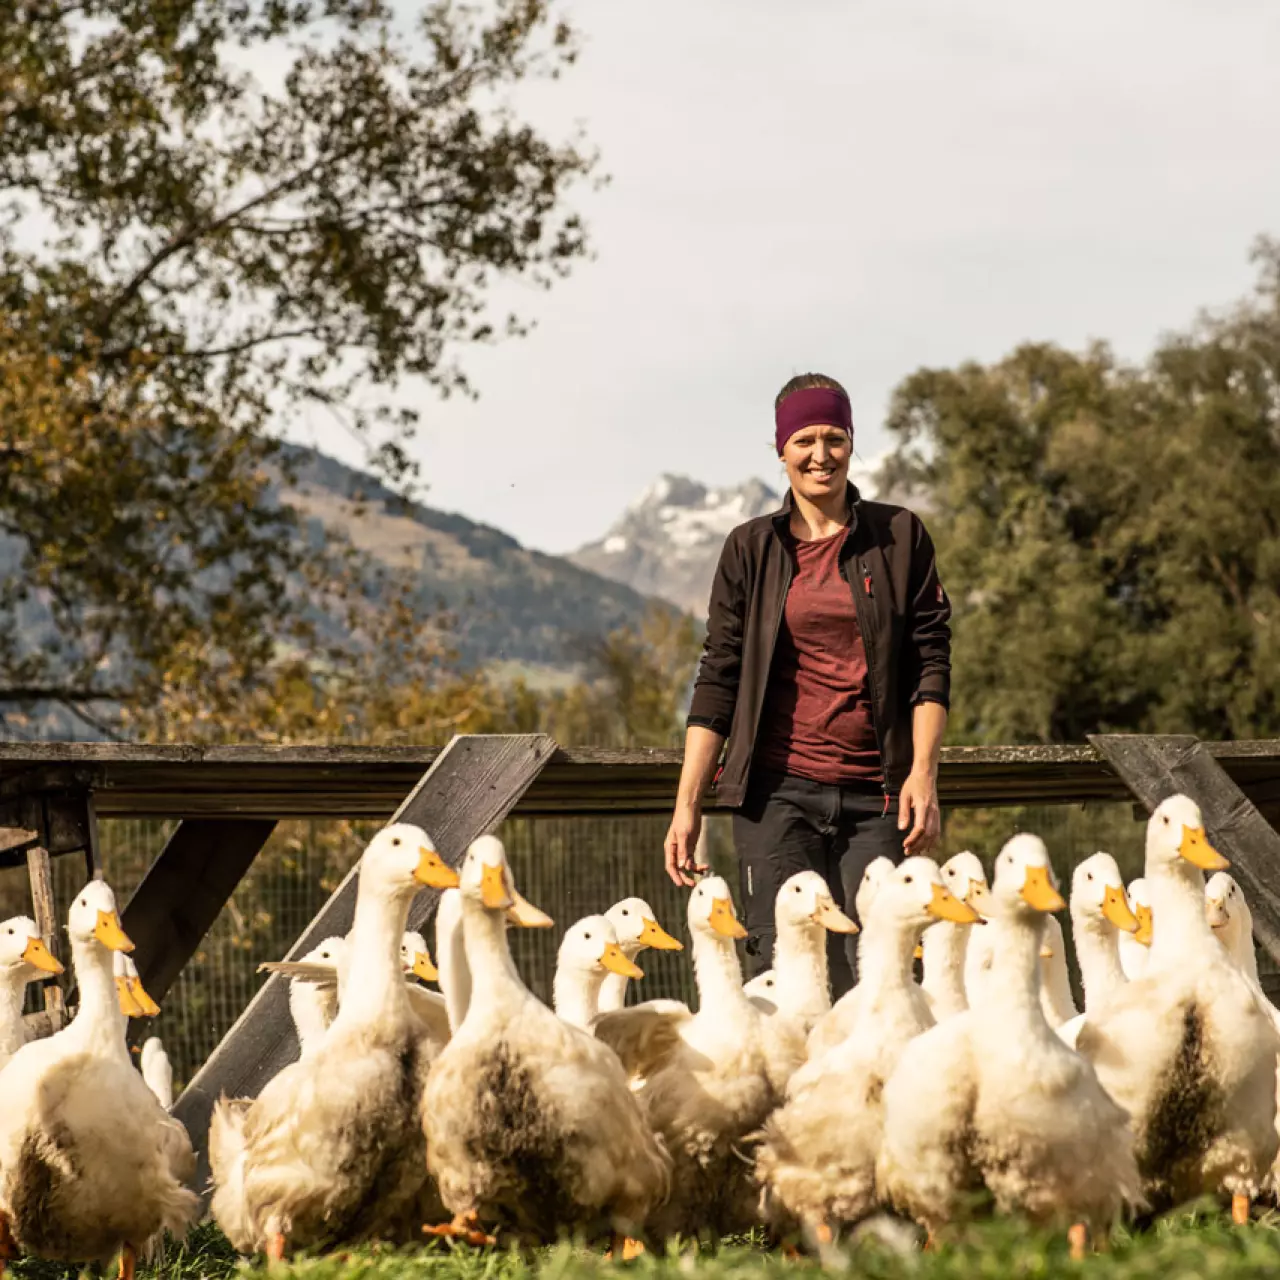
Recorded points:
(190,251)
(1110,534)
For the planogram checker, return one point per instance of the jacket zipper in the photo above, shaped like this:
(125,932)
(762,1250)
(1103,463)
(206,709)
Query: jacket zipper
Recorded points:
(869,648)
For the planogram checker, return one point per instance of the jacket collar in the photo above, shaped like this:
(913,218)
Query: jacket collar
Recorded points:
(782,517)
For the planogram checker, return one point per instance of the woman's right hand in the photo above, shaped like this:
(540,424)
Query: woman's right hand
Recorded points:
(682,844)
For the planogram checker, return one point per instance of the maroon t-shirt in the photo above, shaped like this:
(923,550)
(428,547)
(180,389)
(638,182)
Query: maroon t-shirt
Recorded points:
(816,721)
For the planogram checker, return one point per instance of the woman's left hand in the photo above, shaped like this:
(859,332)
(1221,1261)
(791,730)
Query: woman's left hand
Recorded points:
(918,809)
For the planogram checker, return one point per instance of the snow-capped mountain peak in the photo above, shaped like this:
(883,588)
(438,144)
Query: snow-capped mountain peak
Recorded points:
(668,540)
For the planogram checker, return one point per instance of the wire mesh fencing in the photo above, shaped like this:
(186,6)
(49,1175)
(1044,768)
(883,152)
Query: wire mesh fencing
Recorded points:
(570,867)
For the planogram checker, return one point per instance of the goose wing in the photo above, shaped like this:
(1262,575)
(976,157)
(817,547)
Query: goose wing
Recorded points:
(644,1036)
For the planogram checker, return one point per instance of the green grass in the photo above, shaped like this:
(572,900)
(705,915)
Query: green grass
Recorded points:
(1187,1246)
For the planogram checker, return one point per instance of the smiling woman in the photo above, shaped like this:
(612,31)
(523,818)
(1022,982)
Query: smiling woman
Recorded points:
(825,679)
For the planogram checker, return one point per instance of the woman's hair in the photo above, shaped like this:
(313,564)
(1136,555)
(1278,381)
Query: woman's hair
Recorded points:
(806,381)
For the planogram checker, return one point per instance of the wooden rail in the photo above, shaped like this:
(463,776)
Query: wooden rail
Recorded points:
(129,781)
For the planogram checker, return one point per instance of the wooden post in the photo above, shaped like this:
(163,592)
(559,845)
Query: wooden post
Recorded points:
(184,890)
(471,787)
(45,911)
(1158,766)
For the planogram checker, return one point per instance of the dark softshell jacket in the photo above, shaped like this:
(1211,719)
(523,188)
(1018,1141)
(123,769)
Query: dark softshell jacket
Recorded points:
(904,615)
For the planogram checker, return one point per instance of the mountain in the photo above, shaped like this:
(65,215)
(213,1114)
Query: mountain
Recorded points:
(512,611)
(512,608)
(668,540)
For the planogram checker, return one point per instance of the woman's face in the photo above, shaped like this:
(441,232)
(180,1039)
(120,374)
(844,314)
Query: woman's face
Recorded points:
(817,462)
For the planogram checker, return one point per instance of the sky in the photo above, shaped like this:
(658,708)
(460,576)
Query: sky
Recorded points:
(858,187)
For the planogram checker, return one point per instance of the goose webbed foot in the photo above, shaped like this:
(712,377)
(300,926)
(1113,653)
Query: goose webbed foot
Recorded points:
(624,1248)
(1078,1239)
(465,1227)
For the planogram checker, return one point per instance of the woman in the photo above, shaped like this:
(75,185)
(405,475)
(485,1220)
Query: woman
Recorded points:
(826,671)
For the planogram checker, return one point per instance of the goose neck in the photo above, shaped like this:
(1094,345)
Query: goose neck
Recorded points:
(494,978)
(372,971)
(1098,954)
(613,990)
(800,967)
(1177,909)
(13,990)
(98,1026)
(717,973)
(451,961)
(1012,987)
(576,995)
(886,951)
(945,946)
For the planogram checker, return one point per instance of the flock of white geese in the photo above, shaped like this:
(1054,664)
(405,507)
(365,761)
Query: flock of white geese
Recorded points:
(482,1114)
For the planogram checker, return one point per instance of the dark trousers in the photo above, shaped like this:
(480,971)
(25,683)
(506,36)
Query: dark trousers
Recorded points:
(790,824)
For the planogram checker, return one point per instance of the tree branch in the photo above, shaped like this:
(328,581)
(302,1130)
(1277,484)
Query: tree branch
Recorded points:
(57,693)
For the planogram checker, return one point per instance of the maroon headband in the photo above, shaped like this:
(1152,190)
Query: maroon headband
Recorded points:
(811,407)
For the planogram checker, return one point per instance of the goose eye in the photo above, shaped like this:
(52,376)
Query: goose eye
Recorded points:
(587,936)
(395,841)
(1089,874)
(625,912)
(797,888)
(1165,819)
(906,879)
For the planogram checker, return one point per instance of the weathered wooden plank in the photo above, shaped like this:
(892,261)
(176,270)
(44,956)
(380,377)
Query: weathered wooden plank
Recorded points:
(470,788)
(15,756)
(1156,767)
(134,780)
(44,910)
(16,838)
(183,891)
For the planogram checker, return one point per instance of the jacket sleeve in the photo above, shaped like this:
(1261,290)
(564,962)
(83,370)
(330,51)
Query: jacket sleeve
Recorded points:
(715,690)
(929,627)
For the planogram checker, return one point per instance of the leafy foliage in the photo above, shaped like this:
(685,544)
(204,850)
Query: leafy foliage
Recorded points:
(1111,534)
(401,685)
(213,215)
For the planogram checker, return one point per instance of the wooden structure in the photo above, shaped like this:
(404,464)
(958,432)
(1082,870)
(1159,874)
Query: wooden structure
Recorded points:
(227,801)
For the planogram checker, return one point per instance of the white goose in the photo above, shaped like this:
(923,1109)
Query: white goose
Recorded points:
(23,959)
(531,1127)
(1055,978)
(415,959)
(992,1098)
(331,1151)
(804,914)
(1185,1048)
(833,1025)
(945,946)
(90,1163)
(1135,948)
(762,991)
(157,1071)
(707,1077)
(1227,911)
(589,954)
(451,957)
(317,981)
(637,927)
(1100,913)
(817,1160)
(314,1005)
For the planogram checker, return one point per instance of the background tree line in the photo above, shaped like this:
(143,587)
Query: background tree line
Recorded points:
(193,251)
